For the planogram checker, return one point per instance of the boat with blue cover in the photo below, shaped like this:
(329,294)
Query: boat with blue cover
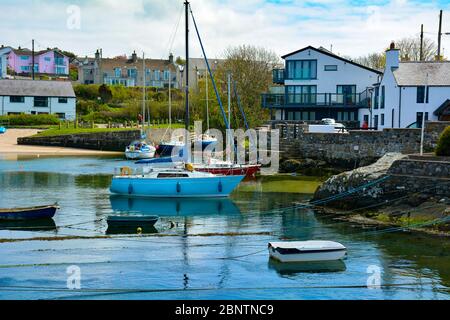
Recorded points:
(30,213)
(174,183)
(2,130)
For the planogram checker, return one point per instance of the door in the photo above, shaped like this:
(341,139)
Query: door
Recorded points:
(347,94)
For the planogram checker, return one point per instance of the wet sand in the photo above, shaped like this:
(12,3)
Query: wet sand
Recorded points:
(8,145)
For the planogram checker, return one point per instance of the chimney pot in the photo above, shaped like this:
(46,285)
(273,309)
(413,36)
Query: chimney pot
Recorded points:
(392,47)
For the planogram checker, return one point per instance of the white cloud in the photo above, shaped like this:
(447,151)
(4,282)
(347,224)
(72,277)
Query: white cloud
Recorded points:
(119,27)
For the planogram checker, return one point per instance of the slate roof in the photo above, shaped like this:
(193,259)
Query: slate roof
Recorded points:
(444,109)
(415,74)
(36,88)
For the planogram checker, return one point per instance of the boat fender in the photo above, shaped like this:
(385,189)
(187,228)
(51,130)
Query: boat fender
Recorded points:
(130,189)
(220,187)
(178,187)
(126,171)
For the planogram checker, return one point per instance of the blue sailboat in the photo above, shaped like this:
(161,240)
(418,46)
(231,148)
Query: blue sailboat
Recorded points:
(176,183)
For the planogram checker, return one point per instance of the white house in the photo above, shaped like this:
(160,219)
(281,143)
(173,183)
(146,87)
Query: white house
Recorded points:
(407,90)
(4,52)
(38,97)
(319,84)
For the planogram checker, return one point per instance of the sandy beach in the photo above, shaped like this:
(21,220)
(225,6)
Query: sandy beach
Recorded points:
(8,145)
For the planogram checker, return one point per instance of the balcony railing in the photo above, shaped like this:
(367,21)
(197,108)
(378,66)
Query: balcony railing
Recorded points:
(278,76)
(359,100)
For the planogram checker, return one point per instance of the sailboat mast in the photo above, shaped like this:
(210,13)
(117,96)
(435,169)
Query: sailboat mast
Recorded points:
(207,100)
(143,92)
(170,99)
(186,69)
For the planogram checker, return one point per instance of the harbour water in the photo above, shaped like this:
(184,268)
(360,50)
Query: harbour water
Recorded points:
(199,249)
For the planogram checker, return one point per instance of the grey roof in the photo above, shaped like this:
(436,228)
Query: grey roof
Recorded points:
(415,74)
(36,88)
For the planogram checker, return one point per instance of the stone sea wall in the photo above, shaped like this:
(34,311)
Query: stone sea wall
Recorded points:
(105,141)
(357,148)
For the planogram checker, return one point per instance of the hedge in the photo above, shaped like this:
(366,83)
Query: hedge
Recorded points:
(30,120)
(443,146)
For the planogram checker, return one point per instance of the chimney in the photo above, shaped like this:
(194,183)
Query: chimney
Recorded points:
(171,58)
(392,57)
(134,56)
(97,55)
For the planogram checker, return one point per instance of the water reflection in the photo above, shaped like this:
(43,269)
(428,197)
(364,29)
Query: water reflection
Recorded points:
(295,268)
(129,230)
(174,207)
(31,225)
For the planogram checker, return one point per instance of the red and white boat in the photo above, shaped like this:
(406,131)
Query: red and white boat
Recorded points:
(228,168)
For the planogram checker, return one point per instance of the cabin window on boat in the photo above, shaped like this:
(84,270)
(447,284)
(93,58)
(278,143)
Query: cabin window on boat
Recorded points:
(172,175)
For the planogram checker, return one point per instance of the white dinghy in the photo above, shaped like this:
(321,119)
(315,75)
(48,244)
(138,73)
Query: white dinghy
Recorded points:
(305,251)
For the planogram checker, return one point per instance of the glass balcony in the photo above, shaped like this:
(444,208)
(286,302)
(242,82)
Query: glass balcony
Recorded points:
(278,76)
(358,100)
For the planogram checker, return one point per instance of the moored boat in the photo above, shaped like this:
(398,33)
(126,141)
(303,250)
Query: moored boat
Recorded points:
(304,251)
(2,130)
(132,220)
(31,213)
(174,183)
(139,150)
(229,169)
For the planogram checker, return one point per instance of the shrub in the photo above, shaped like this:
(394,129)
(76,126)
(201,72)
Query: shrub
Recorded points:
(30,120)
(443,147)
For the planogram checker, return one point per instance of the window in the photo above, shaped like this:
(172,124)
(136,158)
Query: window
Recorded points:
(62,100)
(117,72)
(61,116)
(166,75)
(59,62)
(302,94)
(48,59)
(157,75)
(61,70)
(24,57)
(25,68)
(377,95)
(36,68)
(392,119)
(302,69)
(383,92)
(419,118)
(347,94)
(421,94)
(375,121)
(132,73)
(331,68)
(172,175)
(382,119)
(16,99)
(41,102)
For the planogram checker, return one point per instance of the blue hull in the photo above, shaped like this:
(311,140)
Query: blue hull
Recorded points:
(2,130)
(214,187)
(28,213)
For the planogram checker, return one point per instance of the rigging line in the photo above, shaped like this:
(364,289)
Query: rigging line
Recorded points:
(154,290)
(173,35)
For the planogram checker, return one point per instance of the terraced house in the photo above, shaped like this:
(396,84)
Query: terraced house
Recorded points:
(128,72)
(317,84)
(50,62)
(38,97)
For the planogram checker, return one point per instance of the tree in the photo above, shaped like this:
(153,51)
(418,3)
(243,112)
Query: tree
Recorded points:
(251,67)
(410,49)
(374,60)
(105,93)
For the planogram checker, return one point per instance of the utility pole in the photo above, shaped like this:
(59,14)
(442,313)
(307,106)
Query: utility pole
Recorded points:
(32,59)
(421,43)
(439,37)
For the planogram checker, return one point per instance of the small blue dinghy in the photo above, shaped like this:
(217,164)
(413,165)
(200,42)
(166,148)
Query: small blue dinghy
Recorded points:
(2,130)
(31,213)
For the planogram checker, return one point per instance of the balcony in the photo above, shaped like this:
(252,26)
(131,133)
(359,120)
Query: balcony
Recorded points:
(281,101)
(278,76)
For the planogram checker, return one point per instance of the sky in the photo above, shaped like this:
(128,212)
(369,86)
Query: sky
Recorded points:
(351,27)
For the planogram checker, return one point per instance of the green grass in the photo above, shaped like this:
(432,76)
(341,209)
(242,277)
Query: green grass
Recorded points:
(56,131)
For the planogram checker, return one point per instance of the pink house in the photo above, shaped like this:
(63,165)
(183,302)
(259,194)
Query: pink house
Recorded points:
(46,62)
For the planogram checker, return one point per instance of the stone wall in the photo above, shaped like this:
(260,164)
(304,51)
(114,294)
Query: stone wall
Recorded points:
(106,141)
(405,177)
(356,148)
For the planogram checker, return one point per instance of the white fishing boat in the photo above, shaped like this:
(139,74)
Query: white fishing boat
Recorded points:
(307,251)
(139,150)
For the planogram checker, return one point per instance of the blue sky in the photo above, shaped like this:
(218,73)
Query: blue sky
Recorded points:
(352,27)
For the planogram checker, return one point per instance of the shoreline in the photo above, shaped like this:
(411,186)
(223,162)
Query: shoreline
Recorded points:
(9,146)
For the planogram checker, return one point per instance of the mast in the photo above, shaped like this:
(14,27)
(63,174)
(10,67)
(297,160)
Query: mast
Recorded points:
(207,100)
(170,99)
(186,71)
(143,93)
